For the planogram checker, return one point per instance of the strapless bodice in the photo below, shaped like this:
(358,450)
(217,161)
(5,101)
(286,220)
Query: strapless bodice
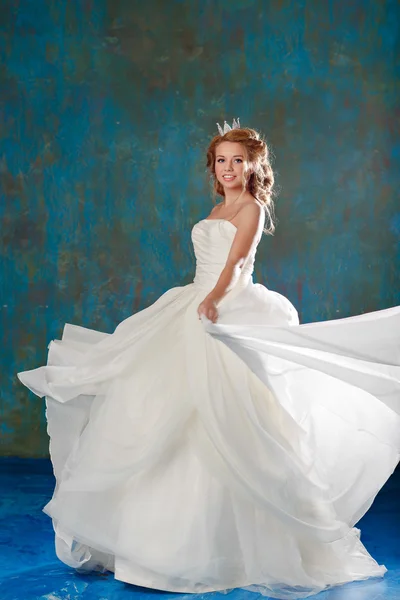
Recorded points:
(212,240)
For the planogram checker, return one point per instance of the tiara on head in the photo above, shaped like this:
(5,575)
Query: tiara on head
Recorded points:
(235,125)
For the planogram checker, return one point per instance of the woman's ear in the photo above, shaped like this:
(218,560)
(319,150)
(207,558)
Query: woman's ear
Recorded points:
(249,171)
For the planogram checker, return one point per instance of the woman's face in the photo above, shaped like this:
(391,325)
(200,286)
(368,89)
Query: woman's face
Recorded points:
(230,164)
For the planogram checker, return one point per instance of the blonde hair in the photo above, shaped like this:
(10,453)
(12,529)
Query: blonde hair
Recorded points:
(259,179)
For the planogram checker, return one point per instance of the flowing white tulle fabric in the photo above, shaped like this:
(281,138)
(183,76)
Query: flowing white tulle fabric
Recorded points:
(194,456)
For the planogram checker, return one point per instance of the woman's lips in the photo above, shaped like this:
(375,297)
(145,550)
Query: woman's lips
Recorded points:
(228,177)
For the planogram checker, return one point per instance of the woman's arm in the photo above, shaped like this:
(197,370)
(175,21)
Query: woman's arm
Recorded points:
(249,223)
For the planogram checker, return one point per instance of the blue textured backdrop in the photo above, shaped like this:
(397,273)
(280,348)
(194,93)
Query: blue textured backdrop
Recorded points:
(108,107)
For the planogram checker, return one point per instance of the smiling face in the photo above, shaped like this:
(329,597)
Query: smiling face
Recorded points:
(230,164)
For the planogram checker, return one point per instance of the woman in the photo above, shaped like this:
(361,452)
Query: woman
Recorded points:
(212,442)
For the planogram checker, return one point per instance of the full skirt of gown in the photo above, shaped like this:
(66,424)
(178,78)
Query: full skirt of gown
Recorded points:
(194,456)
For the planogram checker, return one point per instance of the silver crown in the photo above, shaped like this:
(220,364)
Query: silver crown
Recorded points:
(223,131)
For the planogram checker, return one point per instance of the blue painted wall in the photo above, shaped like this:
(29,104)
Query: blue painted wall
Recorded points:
(108,107)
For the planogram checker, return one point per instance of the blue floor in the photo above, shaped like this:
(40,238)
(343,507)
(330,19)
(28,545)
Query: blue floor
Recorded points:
(29,569)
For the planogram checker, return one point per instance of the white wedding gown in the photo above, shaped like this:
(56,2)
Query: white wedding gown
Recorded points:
(194,456)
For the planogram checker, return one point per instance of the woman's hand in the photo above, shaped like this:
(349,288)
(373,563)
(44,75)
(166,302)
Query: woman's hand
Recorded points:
(208,308)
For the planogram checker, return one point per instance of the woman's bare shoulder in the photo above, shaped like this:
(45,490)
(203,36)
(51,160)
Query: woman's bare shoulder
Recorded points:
(251,207)
(214,211)
(250,214)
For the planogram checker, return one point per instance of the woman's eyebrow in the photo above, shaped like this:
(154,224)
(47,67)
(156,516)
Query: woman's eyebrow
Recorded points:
(234,156)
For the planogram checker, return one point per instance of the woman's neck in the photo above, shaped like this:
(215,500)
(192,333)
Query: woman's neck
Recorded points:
(233,196)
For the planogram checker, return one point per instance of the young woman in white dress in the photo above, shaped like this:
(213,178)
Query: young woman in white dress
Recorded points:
(246,188)
(211,441)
